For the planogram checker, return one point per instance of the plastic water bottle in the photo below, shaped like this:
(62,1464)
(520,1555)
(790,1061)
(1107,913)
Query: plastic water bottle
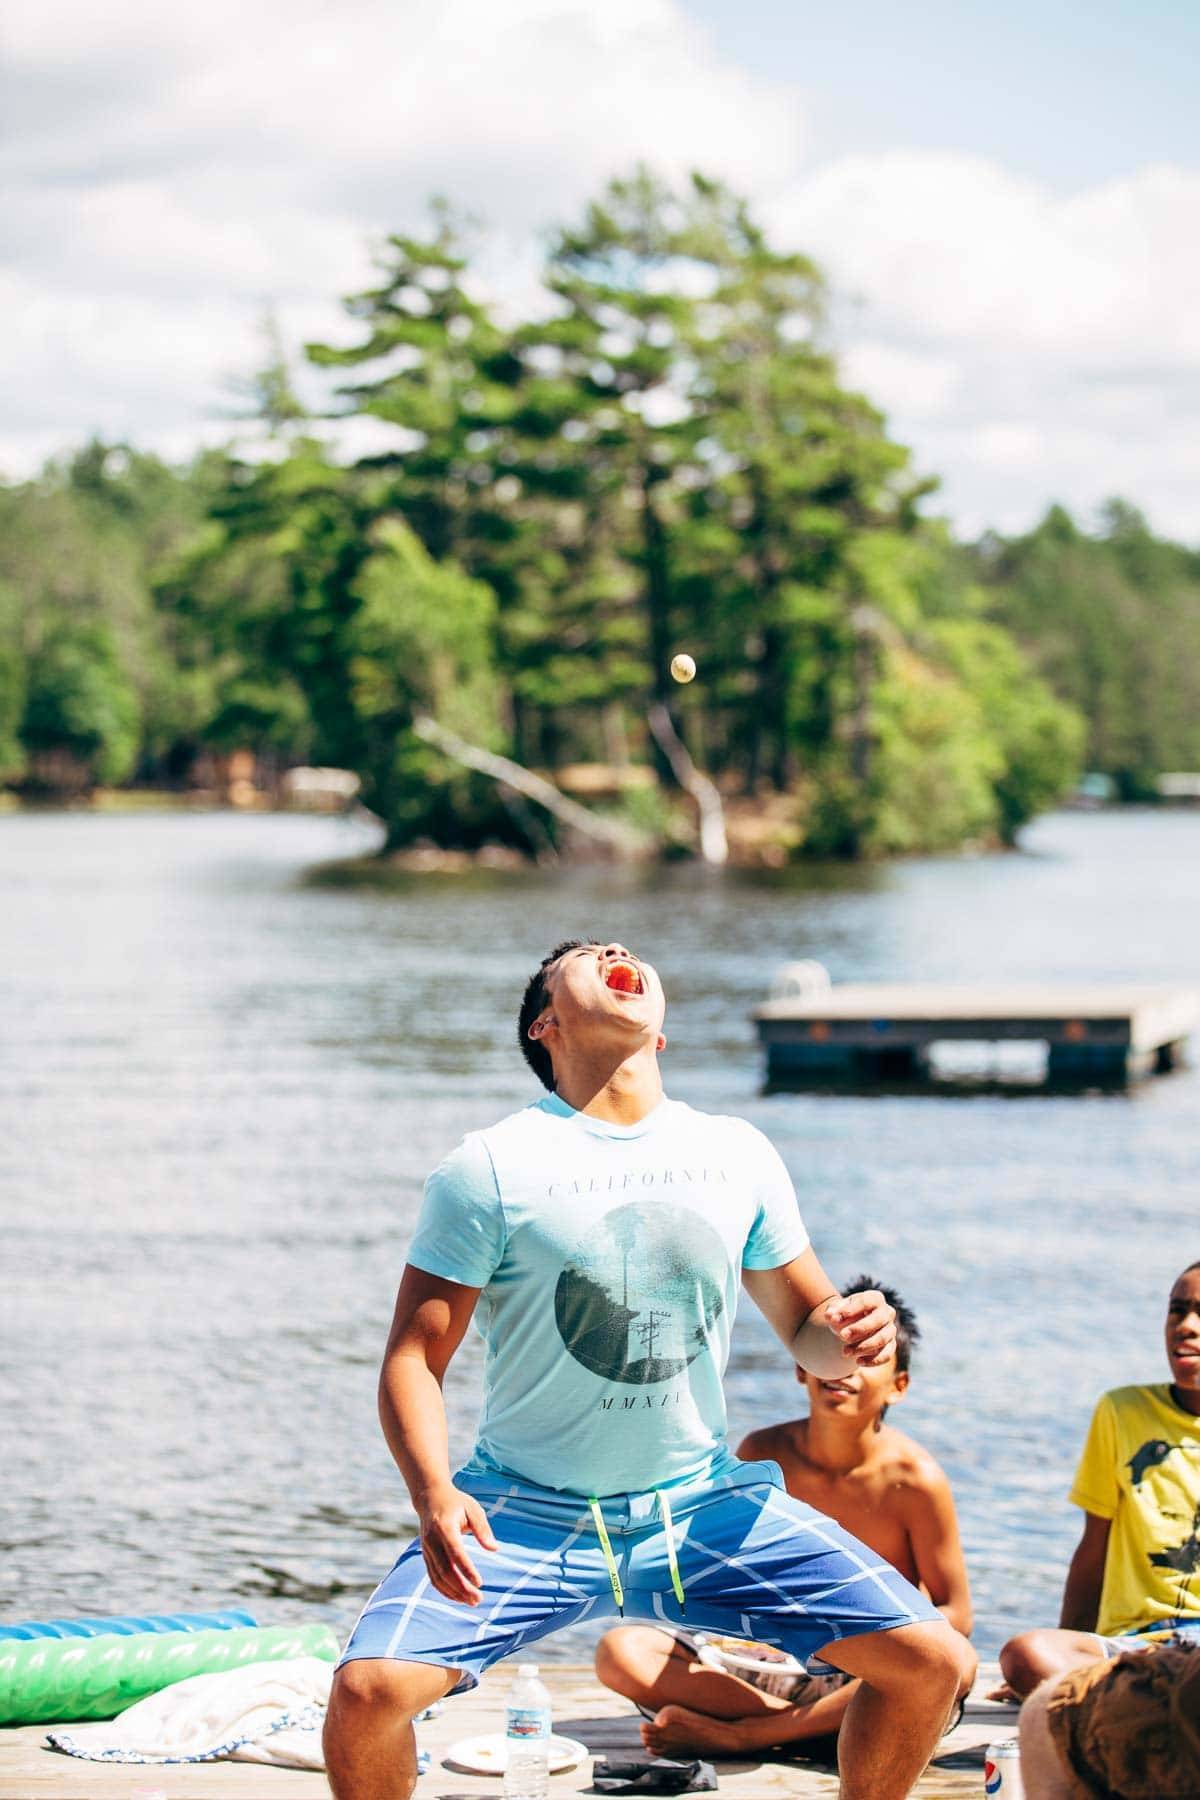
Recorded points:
(527,1733)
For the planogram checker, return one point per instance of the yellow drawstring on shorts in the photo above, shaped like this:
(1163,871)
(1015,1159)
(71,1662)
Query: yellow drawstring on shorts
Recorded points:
(610,1561)
(664,1508)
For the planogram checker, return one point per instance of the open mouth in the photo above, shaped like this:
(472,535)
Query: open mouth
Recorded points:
(838,1387)
(624,978)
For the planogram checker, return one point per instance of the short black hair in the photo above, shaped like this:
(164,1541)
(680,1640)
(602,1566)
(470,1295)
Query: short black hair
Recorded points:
(533,1000)
(908,1332)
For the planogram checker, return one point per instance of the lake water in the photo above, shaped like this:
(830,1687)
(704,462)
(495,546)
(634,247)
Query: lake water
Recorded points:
(223,1081)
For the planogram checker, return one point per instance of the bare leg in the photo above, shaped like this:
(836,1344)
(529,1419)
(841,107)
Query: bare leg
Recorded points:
(1036,1656)
(676,1728)
(699,1708)
(1042,1774)
(370,1750)
(911,1678)
(652,1668)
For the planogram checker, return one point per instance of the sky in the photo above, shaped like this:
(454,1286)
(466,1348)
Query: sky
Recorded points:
(1004,199)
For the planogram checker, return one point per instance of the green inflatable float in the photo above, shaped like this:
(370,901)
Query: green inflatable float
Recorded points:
(46,1680)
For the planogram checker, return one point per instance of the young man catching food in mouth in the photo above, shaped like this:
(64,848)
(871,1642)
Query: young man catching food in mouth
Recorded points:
(598,1239)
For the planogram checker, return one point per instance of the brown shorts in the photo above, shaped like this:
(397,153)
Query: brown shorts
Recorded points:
(1130,1729)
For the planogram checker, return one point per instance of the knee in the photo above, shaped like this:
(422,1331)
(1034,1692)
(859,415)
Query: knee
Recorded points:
(956,1663)
(1028,1659)
(945,1663)
(625,1657)
(610,1659)
(968,1666)
(367,1687)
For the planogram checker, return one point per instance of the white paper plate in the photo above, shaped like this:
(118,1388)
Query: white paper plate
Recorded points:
(487,1755)
(744,1653)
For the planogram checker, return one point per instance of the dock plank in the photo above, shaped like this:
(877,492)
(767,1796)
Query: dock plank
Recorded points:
(1150,1014)
(582,1709)
(880,1032)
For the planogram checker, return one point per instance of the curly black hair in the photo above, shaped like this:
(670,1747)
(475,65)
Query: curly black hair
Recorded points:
(908,1332)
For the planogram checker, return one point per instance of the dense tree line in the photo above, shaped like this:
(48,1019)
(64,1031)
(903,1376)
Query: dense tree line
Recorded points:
(1112,620)
(659,457)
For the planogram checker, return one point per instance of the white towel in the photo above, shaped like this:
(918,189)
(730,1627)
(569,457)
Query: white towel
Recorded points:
(269,1712)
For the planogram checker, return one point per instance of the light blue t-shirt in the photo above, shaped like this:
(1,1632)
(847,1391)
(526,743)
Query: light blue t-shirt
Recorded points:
(610,1258)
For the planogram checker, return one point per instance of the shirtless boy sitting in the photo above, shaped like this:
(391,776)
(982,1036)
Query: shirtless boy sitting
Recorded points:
(875,1482)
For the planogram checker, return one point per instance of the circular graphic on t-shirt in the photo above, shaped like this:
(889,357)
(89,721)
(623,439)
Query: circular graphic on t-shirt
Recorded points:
(638,1302)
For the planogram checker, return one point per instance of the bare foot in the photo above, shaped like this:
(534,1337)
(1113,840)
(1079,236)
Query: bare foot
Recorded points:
(678,1728)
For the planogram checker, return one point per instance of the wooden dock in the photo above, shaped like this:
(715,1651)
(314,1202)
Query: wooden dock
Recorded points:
(866,1035)
(582,1709)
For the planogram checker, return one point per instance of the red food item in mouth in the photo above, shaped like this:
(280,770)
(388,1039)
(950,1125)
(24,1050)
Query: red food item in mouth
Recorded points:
(623,978)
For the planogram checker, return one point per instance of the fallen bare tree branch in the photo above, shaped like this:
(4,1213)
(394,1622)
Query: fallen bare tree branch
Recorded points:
(625,840)
(714,845)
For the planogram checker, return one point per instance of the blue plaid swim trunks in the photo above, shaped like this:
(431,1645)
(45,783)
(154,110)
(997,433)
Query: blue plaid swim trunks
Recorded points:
(750,1560)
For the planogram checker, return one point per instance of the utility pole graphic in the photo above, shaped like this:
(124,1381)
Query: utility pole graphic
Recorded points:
(648,1330)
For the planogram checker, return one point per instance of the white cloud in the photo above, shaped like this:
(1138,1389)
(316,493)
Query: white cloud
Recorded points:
(170,171)
(1031,346)
(920,383)
(956,249)
(525,103)
(1008,444)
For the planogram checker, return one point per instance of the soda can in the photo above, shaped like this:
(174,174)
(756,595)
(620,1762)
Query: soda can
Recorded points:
(1002,1770)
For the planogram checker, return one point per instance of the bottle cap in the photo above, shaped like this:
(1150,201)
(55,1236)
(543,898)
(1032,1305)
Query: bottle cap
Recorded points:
(527,1668)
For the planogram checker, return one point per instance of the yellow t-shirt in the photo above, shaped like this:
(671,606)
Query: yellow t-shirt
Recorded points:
(1141,1468)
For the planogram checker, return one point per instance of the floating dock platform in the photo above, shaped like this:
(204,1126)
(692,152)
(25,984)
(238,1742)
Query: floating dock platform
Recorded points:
(583,1710)
(868,1035)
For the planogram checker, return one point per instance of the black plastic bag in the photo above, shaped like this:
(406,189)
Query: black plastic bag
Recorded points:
(653,1775)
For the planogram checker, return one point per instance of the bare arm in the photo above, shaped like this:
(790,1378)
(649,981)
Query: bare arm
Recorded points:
(428,1323)
(1085,1577)
(826,1334)
(937,1551)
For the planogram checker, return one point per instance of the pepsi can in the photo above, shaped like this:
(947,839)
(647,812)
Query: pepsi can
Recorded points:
(1002,1770)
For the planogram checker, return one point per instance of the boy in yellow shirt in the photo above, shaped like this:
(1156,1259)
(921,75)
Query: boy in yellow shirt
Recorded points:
(1134,1579)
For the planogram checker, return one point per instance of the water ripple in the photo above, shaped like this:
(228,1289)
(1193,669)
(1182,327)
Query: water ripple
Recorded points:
(224,1080)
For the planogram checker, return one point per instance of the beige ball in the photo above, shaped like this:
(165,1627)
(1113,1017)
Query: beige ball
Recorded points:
(683,666)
